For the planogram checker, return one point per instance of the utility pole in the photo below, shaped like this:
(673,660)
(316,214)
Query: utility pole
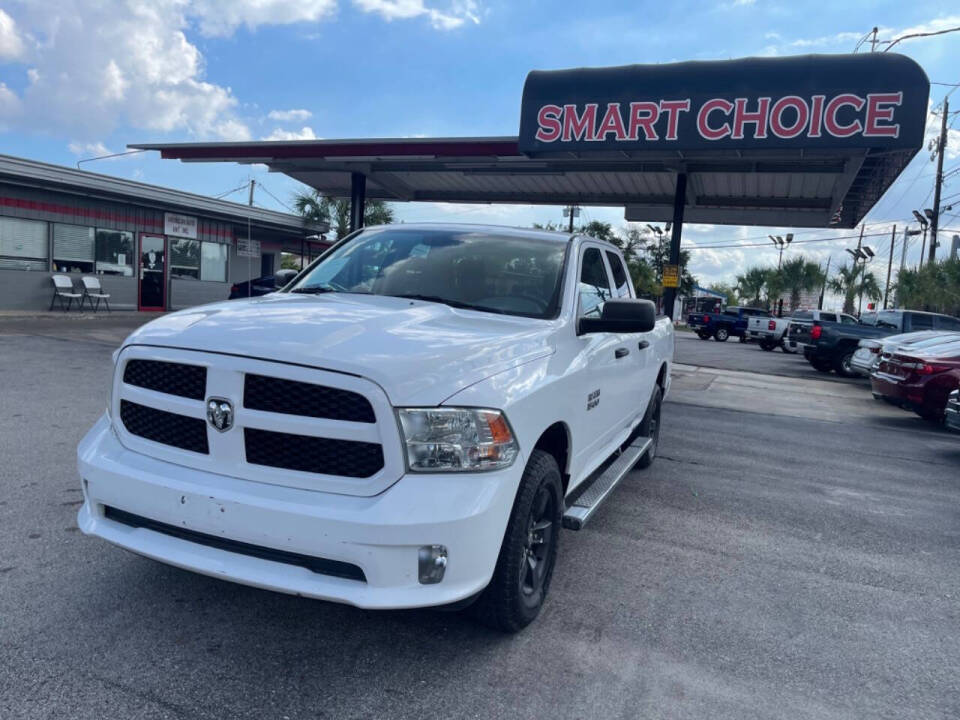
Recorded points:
(823,288)
(253,184)
(873,41)
(573,211)
(886,290)
(941,150)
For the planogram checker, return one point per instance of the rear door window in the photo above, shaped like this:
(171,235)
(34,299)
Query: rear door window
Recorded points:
(889,319)
(921,321)
(594,285)
(622,287)
(828,317)
(947,323)
(848,320)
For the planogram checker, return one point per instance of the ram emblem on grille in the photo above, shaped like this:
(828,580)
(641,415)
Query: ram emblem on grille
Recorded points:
(220,414)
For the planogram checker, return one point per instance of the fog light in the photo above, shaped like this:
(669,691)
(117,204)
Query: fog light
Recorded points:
(433,563)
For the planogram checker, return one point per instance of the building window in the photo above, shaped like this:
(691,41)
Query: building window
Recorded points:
(195,260)
(114,252)
(213,262)
(23,244)
(184,258)
(73,248)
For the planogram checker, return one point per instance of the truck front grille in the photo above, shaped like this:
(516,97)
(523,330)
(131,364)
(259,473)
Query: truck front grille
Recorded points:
(164,427)
(347,458)
(189,381)
(290,397)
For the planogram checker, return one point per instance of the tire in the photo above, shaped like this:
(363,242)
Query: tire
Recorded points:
(767,345)
(821,365)
(721,334)
(744,338)
(841,364)
(785,346)
(703,334)
(650,427)
(513,599)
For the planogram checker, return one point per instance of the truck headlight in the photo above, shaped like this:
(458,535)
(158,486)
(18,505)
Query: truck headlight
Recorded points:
(456,439)
(113,373)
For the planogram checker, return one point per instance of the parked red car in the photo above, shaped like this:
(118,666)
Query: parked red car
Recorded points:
(920,380)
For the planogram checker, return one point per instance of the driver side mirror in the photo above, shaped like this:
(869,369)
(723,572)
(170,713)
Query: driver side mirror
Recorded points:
(626,315)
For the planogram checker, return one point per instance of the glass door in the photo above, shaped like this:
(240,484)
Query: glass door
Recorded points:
(153,276)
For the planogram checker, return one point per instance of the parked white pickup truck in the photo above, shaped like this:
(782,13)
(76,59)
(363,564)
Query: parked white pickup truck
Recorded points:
(407,424)
(770,332)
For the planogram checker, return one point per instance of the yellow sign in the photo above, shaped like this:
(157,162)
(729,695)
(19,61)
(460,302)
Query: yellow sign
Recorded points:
(671,276)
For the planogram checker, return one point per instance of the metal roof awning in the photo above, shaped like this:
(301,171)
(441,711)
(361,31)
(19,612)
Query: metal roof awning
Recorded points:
(807,141)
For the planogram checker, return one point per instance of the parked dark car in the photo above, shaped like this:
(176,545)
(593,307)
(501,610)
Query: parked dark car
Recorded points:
(830,346)
(920,380)
(720,326)
(262,285)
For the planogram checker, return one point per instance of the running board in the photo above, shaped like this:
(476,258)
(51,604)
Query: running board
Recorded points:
(602,485)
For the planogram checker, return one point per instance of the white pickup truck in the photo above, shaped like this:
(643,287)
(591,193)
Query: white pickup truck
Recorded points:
(769,331)
(409,423)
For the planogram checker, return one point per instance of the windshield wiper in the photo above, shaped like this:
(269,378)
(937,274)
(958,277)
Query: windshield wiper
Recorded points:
(448,301)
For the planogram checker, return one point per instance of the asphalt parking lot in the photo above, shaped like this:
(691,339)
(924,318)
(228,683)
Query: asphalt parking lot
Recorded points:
(769,565)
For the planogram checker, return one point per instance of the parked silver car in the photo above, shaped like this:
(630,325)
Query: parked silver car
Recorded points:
(870,351)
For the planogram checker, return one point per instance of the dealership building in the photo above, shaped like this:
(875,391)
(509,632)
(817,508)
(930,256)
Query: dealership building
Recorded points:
(152,248)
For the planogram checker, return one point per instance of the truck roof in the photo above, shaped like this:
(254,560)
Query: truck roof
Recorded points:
(536,233)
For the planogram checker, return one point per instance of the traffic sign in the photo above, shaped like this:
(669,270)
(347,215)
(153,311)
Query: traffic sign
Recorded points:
(671,276)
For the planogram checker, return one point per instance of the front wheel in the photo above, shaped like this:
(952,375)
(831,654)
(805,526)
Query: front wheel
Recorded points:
(767,345)
(521,579)
(843,364)
(721,335)
(650,427)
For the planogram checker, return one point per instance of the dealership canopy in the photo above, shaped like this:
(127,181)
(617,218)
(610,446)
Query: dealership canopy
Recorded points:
(806,141)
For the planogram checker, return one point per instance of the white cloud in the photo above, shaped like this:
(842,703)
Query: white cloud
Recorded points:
(12,46)
(223,17)
(304,133)
(290,115)
(9,103)
(460,11)
(90,149)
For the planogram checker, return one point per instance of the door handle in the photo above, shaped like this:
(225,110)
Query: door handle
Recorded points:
(643,344)
(621,352)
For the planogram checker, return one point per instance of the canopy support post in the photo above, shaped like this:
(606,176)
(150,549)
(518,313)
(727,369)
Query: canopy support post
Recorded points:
(679,201)
(358,199)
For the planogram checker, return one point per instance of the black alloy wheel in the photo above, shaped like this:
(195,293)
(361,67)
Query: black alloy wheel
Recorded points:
(536,550)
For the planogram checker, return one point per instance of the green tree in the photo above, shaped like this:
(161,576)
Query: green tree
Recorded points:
(799,275)
(316,208)
(728,291)
(751,284)
(934,287)
(846,282)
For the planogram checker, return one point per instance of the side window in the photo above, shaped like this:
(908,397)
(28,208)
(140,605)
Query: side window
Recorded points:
(921,322)
(594,285)
(948,323)
(828,317)
(848,320)
(619,275)
(890,320)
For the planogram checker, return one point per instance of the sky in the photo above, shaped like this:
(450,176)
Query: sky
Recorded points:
(83,78)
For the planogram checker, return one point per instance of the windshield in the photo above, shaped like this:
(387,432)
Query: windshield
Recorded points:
(472,269)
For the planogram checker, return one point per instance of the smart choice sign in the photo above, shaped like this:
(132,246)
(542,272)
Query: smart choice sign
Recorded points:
(874,100)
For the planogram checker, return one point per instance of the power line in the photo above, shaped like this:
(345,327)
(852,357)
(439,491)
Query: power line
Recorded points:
(281,202)
(795,242)
(231,192)
(891,43)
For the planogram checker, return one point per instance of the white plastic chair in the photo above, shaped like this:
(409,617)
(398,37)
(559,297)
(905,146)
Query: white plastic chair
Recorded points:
(63,290)
(92,289)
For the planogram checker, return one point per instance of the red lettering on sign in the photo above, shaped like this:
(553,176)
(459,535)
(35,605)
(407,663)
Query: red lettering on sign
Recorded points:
(673,108)
(776,117)
(758,118)
(830,115)
(549,120)
(612,123)
(816,115)
(643,115)
(703,117)
(880,108)
(579,127)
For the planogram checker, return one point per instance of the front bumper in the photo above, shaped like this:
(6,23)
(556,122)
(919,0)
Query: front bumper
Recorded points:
(381,534)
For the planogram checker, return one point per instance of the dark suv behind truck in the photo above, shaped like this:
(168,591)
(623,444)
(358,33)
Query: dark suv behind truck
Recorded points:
(830,345)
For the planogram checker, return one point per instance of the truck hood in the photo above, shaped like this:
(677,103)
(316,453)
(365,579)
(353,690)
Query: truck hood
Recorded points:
(418,352)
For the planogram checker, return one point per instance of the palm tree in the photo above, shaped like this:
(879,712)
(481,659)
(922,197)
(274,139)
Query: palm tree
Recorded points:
(845,282)
(750,285)
(798,275)
(315,208)
(868,286)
